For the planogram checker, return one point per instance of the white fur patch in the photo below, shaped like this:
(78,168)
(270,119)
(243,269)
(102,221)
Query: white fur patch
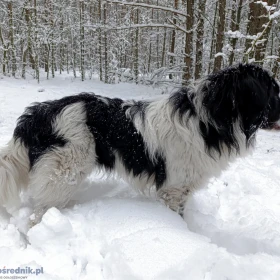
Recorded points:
(179,141)
(58,173)
(14,167)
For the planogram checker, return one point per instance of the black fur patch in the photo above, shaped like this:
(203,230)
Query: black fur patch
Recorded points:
(182,102)
(138,108)
(34,127)
(113,132)
(244,94)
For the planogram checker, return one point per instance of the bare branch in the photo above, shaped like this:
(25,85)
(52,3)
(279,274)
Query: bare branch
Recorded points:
(148,6)
(177,26)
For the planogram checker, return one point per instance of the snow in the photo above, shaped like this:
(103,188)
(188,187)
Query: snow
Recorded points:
(220,54)
(234,34)
(231,228)
(238,34)
(266,6)
(270,9)
(272,57)
(275,15)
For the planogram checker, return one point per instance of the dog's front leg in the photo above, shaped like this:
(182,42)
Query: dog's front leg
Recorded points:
(174,197)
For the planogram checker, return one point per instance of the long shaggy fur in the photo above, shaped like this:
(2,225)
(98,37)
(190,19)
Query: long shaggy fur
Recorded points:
(175,143)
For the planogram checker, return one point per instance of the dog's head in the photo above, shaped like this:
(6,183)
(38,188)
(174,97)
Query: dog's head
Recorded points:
(244,93)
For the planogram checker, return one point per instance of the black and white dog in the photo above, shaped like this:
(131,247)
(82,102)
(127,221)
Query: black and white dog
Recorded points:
(175,143)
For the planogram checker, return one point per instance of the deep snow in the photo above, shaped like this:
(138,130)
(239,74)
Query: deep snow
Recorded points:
(231,228)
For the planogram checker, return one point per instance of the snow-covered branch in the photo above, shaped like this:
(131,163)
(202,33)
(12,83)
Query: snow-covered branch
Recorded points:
(152,25)
(178,12)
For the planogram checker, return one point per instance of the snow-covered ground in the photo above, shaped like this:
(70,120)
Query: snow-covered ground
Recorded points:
(231,229)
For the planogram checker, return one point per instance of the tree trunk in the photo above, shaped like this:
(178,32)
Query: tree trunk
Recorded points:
(82,39)
(5,49)
(173,39)
(136,49)
(213,38)
(158,41)
(46,45)
(5,61)
(220,36)
(150,48)
(235,25)
(187,75)
(37,70)
(199,41)
(27,53)
(100,41)
(276,66)
(61,49)
(163,49)
(258,19)
(106,47)
(11,35)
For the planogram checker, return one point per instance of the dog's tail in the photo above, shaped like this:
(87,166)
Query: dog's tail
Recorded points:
(14,168)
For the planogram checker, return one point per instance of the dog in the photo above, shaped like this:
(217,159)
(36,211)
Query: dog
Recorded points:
(173,144)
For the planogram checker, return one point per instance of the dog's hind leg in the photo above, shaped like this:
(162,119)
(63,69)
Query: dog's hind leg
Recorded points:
(57,175)
(14,168)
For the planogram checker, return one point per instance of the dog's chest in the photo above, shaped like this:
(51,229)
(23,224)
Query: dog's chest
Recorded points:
(188,165)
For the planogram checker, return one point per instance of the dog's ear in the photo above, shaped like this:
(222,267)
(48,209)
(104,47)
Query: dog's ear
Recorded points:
(219,97)
(219,105)
(238,93)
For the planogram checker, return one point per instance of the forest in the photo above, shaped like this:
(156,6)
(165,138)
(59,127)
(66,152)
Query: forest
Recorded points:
(153,42)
